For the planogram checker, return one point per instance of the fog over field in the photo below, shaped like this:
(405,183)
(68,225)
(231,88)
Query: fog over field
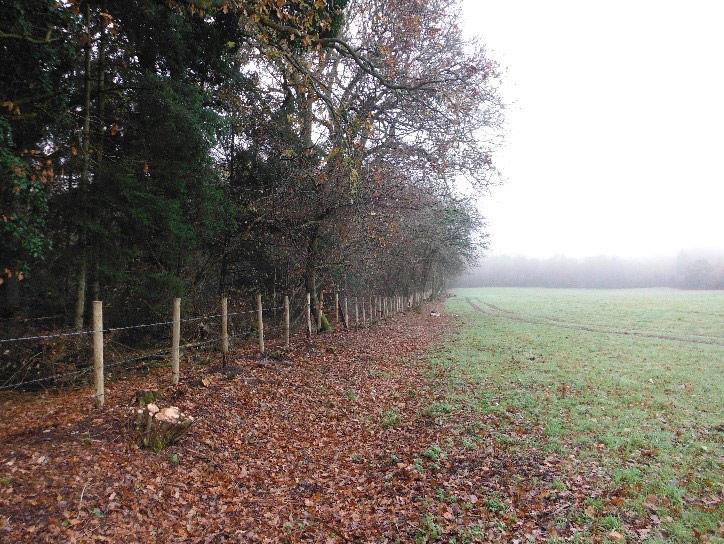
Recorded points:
(687,270)
(611,147)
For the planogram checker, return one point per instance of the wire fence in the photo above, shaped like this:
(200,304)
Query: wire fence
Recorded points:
(124,328)
(380,308)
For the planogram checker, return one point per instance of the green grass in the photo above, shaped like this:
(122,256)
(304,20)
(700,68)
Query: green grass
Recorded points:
(647,410)
(391,418)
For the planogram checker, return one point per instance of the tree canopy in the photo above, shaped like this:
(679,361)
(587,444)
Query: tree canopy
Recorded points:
(151,149)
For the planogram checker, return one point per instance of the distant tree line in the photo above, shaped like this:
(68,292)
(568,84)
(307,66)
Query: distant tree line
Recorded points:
(160,148)
(689,270)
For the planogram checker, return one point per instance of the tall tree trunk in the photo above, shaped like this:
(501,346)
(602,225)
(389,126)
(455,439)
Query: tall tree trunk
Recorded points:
(80,294)
(83,186)
(12,293)
(100,141)
(310,276)
(224,268)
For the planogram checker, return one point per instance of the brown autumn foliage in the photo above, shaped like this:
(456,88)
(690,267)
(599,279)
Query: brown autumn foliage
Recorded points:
(340,442)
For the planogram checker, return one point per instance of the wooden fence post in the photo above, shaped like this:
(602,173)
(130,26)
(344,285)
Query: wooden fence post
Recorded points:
(100,396)
(309,315)
(319,311)
(175,340)
(260,322)
(224,325)
(286,321)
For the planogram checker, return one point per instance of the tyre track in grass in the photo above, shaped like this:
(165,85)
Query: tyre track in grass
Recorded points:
(496,311)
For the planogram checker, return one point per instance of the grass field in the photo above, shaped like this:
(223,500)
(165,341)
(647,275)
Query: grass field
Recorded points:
(628,383)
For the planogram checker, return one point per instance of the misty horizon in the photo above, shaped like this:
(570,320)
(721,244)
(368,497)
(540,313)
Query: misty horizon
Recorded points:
(688,269)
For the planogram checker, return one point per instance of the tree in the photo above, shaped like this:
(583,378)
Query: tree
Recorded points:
(199,147)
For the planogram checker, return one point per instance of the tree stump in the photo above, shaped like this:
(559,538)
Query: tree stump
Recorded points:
(157,428)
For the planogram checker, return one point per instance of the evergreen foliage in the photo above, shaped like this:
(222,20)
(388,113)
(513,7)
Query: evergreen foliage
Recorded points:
(152,149)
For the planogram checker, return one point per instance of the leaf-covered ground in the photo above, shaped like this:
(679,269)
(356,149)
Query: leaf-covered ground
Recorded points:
(344,441)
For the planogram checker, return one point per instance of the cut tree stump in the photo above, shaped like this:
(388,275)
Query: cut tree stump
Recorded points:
(157,428)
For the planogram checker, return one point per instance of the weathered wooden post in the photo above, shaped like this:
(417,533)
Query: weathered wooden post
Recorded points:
(346,314)
(319,312)
(260,322)
(286,321)
(175,340)
(100,396)
(336,307)
(224,325)
(309,315)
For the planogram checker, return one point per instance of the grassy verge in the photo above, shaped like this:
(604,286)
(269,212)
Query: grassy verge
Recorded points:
(645,412)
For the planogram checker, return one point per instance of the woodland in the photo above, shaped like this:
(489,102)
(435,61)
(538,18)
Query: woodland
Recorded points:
(155,149)
(179,178)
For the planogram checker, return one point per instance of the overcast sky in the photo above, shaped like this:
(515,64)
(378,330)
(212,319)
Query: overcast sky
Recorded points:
(615,139)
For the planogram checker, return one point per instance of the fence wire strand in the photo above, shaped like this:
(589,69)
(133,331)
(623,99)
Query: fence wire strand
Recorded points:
(122,328)
(142,356)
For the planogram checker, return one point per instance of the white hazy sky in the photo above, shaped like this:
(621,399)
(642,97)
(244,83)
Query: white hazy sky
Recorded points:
(615,138)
